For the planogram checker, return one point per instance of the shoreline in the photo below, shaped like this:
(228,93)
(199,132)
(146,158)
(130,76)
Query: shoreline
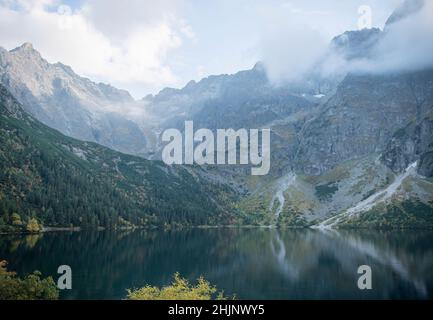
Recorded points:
(203,227)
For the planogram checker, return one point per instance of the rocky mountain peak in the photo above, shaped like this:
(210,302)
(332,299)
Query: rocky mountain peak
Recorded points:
(63,100)
(25,67)
(26,50)
(26,46)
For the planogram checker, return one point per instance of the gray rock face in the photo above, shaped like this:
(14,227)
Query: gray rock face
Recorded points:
(425,167)
(410,144)
(74,105)
(245,99)
(362,117)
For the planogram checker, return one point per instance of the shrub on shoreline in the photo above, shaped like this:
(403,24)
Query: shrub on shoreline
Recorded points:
(31,287)
(180,289)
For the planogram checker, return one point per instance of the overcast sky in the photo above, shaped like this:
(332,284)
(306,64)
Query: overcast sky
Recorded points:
(146,45)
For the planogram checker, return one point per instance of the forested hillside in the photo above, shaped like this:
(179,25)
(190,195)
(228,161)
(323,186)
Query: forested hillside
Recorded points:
(60,181)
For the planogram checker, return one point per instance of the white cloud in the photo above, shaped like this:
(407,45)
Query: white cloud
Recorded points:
(123,44)
(291,50)
(118,18)
(289,47)
(407,44)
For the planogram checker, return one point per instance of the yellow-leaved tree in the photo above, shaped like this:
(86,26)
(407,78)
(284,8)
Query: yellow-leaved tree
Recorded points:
(180,289)
(33,226)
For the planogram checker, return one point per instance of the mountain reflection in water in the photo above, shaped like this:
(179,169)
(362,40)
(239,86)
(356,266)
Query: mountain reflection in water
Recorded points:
(256,263)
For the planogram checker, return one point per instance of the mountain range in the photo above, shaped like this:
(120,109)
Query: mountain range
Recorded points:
(349,149)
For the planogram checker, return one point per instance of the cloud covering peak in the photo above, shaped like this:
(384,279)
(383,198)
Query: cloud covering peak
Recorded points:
(405,44)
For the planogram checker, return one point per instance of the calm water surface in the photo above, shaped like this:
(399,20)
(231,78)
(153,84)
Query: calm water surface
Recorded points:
(251,263)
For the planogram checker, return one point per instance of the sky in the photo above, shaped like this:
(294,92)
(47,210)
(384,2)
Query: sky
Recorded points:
(145,45)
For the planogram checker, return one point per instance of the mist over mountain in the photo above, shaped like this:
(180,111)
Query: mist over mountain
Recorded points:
(402,45)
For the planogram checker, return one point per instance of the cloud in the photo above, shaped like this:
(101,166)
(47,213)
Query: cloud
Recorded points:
(292,50)
(116,19)
(126,45)
(404,45)
(289,47)
(407,44)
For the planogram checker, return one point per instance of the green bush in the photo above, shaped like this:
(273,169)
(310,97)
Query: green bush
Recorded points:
(31,287)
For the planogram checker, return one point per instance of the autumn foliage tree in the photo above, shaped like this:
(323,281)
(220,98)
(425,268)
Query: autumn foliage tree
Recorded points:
(180,289)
